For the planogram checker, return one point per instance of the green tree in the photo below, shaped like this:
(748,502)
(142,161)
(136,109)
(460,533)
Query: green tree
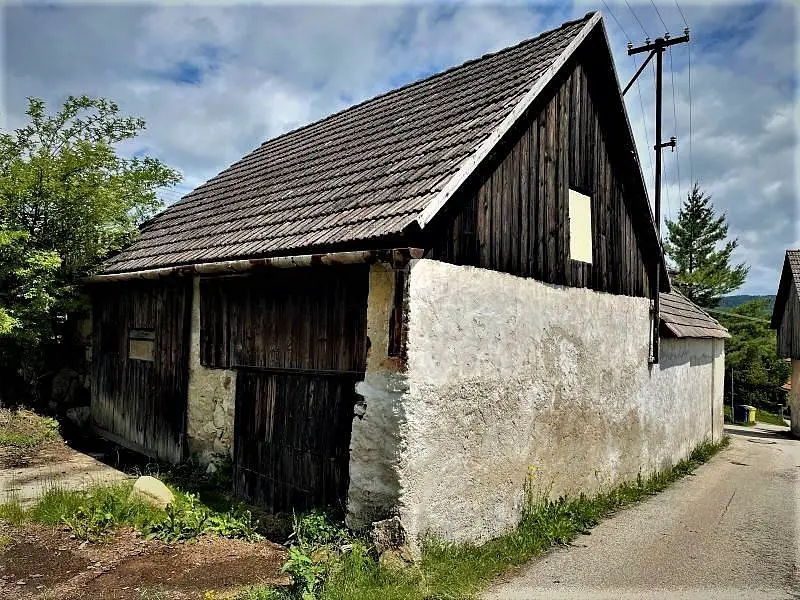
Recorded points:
(750,353)
(67,199)
(697,243)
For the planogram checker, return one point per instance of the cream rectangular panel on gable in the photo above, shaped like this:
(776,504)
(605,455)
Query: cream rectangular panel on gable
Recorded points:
(580,227)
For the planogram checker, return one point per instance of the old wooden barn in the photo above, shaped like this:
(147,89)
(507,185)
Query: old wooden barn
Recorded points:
(786,322)
(401,307)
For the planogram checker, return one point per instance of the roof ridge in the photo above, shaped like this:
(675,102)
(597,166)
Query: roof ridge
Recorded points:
(430,77)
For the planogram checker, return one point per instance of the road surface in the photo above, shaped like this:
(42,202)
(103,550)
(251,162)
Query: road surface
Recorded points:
(729,531)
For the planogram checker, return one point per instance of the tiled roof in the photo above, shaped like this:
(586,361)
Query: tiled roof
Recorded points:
(684,319)
(793,257)
(364,173)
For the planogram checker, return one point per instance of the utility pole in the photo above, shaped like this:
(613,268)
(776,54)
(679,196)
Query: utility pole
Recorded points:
(656,49)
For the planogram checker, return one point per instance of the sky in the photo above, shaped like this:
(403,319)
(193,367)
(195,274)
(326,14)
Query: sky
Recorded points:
(213,81)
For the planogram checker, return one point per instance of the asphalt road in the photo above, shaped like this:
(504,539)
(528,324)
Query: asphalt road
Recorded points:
(729,531)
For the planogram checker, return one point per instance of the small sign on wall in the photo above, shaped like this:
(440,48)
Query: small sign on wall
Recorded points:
(141,344)
(580,227)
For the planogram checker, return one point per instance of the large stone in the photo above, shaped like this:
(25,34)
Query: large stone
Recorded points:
(151,490)
(388,535)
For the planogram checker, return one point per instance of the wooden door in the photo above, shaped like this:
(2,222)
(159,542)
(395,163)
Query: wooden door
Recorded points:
(297,339)
(292,438)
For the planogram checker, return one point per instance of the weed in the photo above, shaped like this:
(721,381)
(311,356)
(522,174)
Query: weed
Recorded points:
(12,513)
(261,593)
(315,544)
(24,429)
(5,542)
(92,524)
(449,570)
(187,518)
(154,593)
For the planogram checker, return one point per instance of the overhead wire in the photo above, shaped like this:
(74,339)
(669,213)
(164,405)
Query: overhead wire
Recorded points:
(644,120)
(675,125)
(689,50)
(613,16)
(691,158)
(680,11)
(659,16)
(637,19)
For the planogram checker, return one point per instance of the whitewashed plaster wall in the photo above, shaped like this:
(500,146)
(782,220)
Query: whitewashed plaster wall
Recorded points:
(209,425)
(374,442)
(794,398)
(506,373)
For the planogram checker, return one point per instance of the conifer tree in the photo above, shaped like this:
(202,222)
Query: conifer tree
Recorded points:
(697,242)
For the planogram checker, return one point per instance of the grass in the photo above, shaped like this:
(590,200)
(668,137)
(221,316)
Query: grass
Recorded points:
(24,429)
(94,514)
(762,416)
(90,513)
(452,571)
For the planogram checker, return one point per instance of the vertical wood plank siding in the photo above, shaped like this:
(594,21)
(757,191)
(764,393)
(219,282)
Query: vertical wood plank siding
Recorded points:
(788,333)
(297,339)
(309,318)
(513,217)
(140,401)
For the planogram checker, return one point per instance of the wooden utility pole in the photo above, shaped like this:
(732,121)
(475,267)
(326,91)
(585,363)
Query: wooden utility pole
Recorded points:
(656,49)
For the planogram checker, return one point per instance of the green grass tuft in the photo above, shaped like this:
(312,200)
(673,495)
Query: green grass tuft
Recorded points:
(762,416)
(449,571)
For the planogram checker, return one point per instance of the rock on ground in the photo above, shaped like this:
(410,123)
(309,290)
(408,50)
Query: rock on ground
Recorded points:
(151,490)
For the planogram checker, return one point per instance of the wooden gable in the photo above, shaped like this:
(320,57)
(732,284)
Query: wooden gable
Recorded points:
(786,312)
(513,215)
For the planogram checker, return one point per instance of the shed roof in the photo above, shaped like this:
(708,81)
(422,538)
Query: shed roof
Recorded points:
(370,172)
(684,319)
(790,275)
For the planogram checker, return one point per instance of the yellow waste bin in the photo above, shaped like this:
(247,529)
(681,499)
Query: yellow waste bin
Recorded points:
(751,413)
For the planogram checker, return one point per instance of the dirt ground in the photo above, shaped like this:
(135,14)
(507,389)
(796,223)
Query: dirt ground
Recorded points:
(42,563)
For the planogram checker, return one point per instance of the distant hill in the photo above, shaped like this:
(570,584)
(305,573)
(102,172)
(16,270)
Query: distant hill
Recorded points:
(733,301)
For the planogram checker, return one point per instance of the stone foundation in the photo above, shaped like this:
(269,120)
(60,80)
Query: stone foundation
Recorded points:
(209,426)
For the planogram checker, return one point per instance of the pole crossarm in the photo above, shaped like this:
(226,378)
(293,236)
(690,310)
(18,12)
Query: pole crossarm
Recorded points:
(659,44)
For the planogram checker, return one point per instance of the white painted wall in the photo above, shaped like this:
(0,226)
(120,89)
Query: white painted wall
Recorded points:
(506,373)
(210,404)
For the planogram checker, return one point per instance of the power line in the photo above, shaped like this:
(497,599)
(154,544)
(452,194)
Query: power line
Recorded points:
(613,16)
(666,180)
(691,157)
(637,19)
(680,11)
(675,123)
(644,119)
(733,314)
(659,15)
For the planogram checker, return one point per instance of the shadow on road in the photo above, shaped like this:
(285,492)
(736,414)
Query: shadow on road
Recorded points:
(757,433)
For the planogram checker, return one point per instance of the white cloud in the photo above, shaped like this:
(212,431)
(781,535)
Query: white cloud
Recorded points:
(261,70)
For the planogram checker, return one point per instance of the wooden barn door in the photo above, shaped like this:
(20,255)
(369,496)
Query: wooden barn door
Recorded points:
(292,438)
(297,339)
(140,364)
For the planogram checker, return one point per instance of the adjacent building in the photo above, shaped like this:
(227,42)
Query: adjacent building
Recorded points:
(786,322)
